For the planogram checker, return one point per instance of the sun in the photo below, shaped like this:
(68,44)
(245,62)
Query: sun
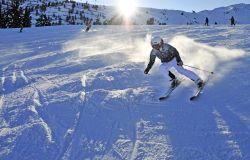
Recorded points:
(126,8)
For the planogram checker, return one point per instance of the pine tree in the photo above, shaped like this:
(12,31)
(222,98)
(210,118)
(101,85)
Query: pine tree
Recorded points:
(86,6)
(43,8)
(27,18)
(43,20)
(95,7)
(60,20)
(21,19)
(1,17)
(7,17)
(151,21)
(14,14)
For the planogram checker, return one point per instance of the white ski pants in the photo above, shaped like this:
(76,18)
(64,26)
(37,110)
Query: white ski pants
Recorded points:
(165,67)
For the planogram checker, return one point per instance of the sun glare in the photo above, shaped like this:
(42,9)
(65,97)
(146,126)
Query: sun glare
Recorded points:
(127,7)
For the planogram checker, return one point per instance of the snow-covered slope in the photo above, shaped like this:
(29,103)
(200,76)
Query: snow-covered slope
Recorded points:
(67,94)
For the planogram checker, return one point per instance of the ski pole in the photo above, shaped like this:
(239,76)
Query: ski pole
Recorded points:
(198,69)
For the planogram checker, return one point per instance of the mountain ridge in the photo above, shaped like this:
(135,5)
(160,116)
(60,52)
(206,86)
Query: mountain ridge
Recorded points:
(67,12)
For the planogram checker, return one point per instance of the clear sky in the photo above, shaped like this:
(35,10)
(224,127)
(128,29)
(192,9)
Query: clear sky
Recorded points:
(185,5)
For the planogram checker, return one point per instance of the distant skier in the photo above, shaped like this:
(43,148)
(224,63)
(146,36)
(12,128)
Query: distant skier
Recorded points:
(21,28)
(232,21)
(206,21)
(88,25)
(170,58)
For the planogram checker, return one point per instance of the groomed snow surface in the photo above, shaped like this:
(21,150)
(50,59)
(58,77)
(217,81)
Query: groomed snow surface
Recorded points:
(70,95)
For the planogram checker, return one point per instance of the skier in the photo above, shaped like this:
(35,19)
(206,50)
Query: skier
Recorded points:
(232,21)
(88,25)
(170,58)
(206,22)
(21,28)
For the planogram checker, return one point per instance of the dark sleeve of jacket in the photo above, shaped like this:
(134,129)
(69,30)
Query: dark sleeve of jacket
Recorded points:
(177,56)
(151,60)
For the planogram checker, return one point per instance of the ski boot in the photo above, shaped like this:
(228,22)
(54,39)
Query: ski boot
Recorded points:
(175,82)
(199,83)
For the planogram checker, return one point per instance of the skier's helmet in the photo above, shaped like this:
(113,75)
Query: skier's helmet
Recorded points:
(156,42)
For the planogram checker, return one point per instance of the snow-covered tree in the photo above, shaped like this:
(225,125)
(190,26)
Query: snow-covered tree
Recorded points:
(151,21)
(43,20)
(14,14)
(27,18)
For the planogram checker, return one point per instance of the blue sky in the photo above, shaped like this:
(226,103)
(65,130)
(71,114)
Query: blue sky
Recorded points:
(185,5)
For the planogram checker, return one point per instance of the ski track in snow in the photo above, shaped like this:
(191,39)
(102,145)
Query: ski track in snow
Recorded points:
(1,102)
(224,129)
(72,133)
(74,95)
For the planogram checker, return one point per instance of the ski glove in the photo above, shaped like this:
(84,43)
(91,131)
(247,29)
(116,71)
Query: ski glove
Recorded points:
(146,71)
(180,63)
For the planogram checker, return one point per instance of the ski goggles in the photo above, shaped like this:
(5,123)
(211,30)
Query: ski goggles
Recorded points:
(156,46)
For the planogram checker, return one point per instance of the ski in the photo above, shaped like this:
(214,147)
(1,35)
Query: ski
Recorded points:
(168,93)
(197,93)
